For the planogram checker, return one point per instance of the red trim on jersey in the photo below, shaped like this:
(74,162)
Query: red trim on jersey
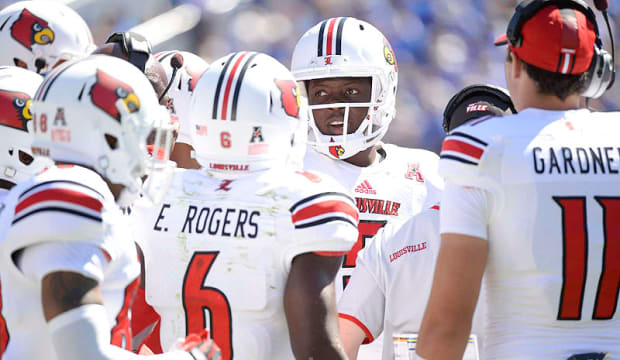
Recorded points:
(330,253)
(369,338)
(64,195)
(330,33)
(325,207)
(435,207)
(120,335)
(143,317)
(462,147)
(231,76)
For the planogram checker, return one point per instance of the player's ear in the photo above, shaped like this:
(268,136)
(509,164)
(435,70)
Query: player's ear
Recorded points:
(517,66)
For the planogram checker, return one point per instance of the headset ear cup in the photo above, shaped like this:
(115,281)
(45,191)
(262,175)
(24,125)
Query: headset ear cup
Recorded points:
(600,74)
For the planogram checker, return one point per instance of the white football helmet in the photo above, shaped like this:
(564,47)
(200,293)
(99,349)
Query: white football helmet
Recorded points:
(17,87)
(98,112)
(182,86)
(38,34)
(248,114)
(348,47)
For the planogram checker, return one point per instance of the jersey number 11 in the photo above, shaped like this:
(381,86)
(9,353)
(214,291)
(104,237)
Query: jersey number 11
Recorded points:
(575,257)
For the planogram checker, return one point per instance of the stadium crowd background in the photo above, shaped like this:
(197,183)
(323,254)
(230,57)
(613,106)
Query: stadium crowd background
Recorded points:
(441,45)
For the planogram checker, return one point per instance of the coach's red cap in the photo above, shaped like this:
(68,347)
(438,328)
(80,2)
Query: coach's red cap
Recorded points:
(556,40)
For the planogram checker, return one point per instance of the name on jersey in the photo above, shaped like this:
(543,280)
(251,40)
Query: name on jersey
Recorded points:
(578,160)
(227,222)
(377,206)
(408,249)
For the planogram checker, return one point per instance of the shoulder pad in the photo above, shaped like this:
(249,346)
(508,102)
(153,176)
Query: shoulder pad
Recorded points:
(469,157)
(57,210)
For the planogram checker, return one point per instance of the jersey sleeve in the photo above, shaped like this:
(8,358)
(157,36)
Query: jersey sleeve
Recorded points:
(37,261)
(466,210)
(59,211)
(468,159)
(470,162)
(363,300)
(324,220)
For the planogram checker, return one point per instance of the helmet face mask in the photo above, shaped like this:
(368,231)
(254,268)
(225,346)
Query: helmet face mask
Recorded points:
(95,119)
(360,50)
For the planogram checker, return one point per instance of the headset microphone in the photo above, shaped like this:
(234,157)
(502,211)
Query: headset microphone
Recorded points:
(176,61)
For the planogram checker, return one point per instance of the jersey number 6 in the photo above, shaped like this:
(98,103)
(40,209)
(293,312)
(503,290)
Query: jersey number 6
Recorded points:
(197,298)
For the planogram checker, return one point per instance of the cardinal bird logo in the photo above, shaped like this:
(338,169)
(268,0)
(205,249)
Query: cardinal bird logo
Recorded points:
(15,109)
(107,90)
(30,29)
(388,54)
(337,151)
(290,97)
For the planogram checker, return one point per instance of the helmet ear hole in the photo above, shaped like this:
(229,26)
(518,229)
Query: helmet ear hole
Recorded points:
(20,63)
(25,158)
(112,141)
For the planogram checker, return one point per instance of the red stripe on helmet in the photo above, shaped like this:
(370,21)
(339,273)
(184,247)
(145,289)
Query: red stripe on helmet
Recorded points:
(231,76)
(330,34)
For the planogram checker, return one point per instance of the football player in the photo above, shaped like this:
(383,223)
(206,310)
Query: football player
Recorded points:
(40,35)
(183,69)
(65,257)
(532,202)
(350,73)
(17,87)
(391,283)
(247,246)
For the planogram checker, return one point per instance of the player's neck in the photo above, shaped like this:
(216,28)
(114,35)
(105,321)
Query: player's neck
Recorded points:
(551,102)
(527,96)
(364,158)
(115,189)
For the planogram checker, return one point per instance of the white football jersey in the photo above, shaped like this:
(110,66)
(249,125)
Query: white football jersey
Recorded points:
(397,186)
(66,209)
(550,211)
(218,253)
(393,189)
(391,283)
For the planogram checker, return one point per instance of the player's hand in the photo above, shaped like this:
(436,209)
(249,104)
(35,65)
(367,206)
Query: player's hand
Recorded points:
(201,347)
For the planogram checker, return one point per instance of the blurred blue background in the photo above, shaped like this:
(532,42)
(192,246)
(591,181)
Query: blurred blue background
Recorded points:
(441,45)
